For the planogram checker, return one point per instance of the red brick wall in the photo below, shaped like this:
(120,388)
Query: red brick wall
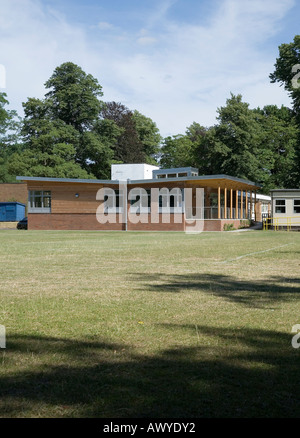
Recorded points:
(74,221)
(77,221)
(218,224)
(14,191)
(156,227)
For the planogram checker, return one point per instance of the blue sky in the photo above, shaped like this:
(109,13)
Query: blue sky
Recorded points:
(175,61)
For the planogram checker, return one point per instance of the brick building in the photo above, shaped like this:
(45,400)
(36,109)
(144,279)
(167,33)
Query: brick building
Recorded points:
(172,200)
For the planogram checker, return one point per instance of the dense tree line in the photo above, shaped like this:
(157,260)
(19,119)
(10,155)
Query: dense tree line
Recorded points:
(258,144)
(73,133)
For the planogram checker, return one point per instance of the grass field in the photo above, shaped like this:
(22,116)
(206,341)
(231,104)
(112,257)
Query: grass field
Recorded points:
(149,324)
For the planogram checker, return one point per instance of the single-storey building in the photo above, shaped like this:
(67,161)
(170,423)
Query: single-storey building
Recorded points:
(263,208)
(285,208)
(172,200)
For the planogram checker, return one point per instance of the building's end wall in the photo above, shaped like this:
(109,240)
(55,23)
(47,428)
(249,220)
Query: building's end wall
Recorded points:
(289,196)
(14,192)
(123,172)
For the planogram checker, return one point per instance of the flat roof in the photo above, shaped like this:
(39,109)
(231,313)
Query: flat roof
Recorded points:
(12,202)
(176,170)
(141,181)
(285,190)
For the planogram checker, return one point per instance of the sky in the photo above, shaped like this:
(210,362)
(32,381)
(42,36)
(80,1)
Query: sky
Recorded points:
(175,61)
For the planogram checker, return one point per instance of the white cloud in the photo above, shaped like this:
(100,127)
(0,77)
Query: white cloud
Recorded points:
(144,41)
(172,72)
(103,25)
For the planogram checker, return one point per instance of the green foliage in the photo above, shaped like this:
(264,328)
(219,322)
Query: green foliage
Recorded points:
(128,147)
(258,145)
(285,73)
(228,227)
(74,96)
(49,145)
(71,133)
(149,135)
(245,223)
(9,138)
(177,151)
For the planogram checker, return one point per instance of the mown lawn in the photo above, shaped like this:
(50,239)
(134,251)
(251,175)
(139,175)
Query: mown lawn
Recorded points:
(149,324)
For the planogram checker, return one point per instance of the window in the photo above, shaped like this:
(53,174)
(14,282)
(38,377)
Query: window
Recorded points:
(113,200)
(140,200)
(171,201)
(39,201)
(172,175)
(181,175)
(297,206)
(280,206)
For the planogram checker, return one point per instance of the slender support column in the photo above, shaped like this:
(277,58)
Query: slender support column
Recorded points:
(246,204)
(219,202)
(251,204)
(255,205)
(242,204)
(231,202)
(225,203)
(236,204)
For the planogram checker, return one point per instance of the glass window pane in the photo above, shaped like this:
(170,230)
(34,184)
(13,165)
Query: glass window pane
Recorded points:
(296,206)
(38,202)
(47,202)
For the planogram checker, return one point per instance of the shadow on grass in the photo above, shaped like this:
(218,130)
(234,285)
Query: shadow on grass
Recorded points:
(253,293)
(252,373)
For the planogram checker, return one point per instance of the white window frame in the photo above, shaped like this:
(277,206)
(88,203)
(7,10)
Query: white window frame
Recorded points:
(42,195)
(280,206)
(296,206)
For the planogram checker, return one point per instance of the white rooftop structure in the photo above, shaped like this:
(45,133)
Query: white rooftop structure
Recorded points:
(123,172)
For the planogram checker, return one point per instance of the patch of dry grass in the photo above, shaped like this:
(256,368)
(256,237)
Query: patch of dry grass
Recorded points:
(149,324)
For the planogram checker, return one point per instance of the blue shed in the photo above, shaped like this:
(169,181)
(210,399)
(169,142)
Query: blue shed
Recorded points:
(11,211)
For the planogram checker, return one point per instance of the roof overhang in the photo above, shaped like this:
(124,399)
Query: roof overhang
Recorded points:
(190,179)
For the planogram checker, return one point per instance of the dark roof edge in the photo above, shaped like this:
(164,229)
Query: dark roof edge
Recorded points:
(285,190)
(142,181)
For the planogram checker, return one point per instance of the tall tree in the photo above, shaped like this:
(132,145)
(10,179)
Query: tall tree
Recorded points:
(287,73)
(279,143)
(128,147)
(49,145)
(205,148)
(63,133)
(74,96)
(149,136)
(239,141)
(177,151)
(9,138)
